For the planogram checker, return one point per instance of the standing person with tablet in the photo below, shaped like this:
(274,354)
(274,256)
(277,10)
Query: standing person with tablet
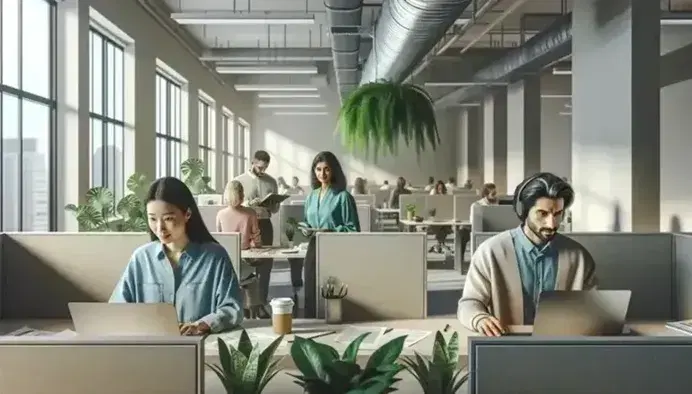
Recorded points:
(328,207)
(182,265)
(257,185)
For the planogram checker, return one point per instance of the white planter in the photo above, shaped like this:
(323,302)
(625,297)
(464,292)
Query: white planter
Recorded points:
(333,311)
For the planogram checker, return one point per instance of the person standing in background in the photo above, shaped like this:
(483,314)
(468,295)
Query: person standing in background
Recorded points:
(399,190)
(257,184)
(385,186)
(431,184)
(451,183)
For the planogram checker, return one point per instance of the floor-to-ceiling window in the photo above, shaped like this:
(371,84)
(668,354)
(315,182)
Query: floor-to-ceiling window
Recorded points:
(169,141)
(206,137)
(229,145)
(107,118)
(28,177)
(244,135)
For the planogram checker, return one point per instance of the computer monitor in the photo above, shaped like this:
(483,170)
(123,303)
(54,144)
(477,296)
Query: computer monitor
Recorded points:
(102,318)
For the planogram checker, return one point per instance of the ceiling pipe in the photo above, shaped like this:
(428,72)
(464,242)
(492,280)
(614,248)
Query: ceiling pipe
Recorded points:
(460,32)
(542,49)
(344,18)
(509,11)
(405,32)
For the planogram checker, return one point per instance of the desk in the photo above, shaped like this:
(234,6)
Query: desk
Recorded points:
(279,253)
(456,226)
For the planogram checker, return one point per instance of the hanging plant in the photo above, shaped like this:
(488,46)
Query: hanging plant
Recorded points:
(376,116)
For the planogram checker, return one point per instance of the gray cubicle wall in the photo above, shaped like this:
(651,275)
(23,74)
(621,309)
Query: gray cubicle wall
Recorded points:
(584,365)
(295,211)
(640,262)
(417,200)
(491,219)
(683,275)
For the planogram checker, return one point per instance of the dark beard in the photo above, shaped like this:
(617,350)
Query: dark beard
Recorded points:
(538,232)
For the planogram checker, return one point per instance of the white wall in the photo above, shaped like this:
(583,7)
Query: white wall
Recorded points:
(676,140)
(515,134)
(293,142)
(151,42)
(556,129)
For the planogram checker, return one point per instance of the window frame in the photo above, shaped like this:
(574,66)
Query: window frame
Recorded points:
(230,144)
(206,112)
(103,117)
(169,137)
(49,102)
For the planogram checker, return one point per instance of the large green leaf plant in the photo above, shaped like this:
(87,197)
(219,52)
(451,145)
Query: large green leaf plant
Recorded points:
(101,212)
(378,115)
(248,368)
(194,176)
(442,374)
(324,371)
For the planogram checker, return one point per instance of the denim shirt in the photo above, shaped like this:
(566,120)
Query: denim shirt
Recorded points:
(537,270)
(203,286)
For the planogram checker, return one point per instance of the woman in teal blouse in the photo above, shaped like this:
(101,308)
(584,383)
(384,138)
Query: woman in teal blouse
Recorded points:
(328,207)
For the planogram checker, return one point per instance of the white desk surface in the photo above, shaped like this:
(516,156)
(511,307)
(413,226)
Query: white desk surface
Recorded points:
(406,222)
(278,253)
(387,210)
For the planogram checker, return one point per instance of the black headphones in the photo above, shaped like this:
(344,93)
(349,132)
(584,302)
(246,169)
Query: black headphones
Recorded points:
(517,202)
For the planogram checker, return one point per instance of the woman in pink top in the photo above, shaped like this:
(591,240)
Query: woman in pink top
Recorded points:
(239,219)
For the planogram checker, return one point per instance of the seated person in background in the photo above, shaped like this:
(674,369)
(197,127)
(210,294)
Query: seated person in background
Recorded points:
(488,196)
(439,189)
(182,265)
(295,187)
(410,187)
(399,190)
(283,187)
(385,186)
(510,270)
(431,184)
(468,184)
(239,219)
(359,187)
(451,183)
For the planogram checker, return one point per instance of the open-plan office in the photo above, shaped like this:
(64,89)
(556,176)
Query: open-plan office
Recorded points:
(115,94)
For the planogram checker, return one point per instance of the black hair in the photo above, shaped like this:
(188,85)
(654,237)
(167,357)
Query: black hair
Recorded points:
(541,185)
(359,186)
(401,183)
(431,180)
(173,191)
(385,182)
(452,180)
(262,155)
(441,185)
(338,181)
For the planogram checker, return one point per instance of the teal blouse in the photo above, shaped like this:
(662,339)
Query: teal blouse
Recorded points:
(336,211)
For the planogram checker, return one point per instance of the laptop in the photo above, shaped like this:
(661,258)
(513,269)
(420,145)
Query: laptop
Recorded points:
(581,313)
(124,319)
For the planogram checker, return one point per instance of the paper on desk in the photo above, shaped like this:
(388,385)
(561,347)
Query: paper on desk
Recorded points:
(32,332)
(412,336)
(352,332)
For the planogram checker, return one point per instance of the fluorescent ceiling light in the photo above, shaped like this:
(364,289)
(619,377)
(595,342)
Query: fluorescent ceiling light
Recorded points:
(565,113)
(275,88)
(265,70)
(461,21)
(456,84)
(287,95)
(676,22)
(301,113)
(556,96)
(231,18)
(292,106)
(561,71)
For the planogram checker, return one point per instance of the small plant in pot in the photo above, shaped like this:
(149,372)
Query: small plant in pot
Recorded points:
(410,211)
(290,230)
(442,374)
(248,368)
(333,292)
(324,371)
(431,213)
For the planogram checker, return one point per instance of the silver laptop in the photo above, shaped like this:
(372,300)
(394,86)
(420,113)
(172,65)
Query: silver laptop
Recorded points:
(124,319)
(580,313)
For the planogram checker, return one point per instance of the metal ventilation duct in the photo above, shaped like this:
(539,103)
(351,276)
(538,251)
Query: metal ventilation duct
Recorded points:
(544,48)
(344,19)
(406,31)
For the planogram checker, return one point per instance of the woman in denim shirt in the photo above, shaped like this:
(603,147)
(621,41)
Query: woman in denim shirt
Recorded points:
(182,265)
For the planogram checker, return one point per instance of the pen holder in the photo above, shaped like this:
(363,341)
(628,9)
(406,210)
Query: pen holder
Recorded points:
(333,310)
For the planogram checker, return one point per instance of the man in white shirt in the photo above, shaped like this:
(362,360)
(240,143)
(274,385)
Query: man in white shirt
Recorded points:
(385,186)
(257,184)
(488,195)
(451,184)
(431,184)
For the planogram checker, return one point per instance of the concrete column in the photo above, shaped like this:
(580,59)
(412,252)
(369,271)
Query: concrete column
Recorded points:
(470,147)
(556,124)
(616,115)
(676,94)
(523,130)
(495,138)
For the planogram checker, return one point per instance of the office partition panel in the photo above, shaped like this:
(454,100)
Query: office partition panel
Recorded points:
(443,206)
(416,200)
(385,273)
(365,199)
(209,213)
(106,365)
(365,217)
(296,212)
(683,276)
(381,197)
(231,242)
(462,206)
(603,365)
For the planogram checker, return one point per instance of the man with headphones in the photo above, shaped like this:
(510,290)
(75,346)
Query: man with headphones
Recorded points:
(510,270)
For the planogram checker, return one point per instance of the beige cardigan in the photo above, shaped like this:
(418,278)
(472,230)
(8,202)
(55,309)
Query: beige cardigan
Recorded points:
(493,284)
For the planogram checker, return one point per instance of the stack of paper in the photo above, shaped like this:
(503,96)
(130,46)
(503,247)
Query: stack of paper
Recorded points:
(32,332)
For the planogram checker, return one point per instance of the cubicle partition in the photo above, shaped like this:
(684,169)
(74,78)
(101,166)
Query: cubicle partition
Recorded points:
(462,206)
(643,263)
(367,263)
(82,365)
(443,206)
(365,217)
(417,201)
(41,272)
(382,197)
(208,213)
(491,219)
(682,272)
(603,365)
(364,199)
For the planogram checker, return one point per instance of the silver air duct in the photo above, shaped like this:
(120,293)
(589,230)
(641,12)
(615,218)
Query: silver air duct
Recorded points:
(344,19)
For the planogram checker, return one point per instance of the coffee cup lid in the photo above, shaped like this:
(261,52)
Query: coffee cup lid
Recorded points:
(282,301)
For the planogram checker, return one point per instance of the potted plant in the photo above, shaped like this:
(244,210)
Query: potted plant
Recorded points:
(442,374)
(324,371)
(333,292)
(376,116)
(410,211)
(290,230)
(193,175)
(246,369)
(100,212)
(431,213)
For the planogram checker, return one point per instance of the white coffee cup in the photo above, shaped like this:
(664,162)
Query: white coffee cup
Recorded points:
(282,315)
